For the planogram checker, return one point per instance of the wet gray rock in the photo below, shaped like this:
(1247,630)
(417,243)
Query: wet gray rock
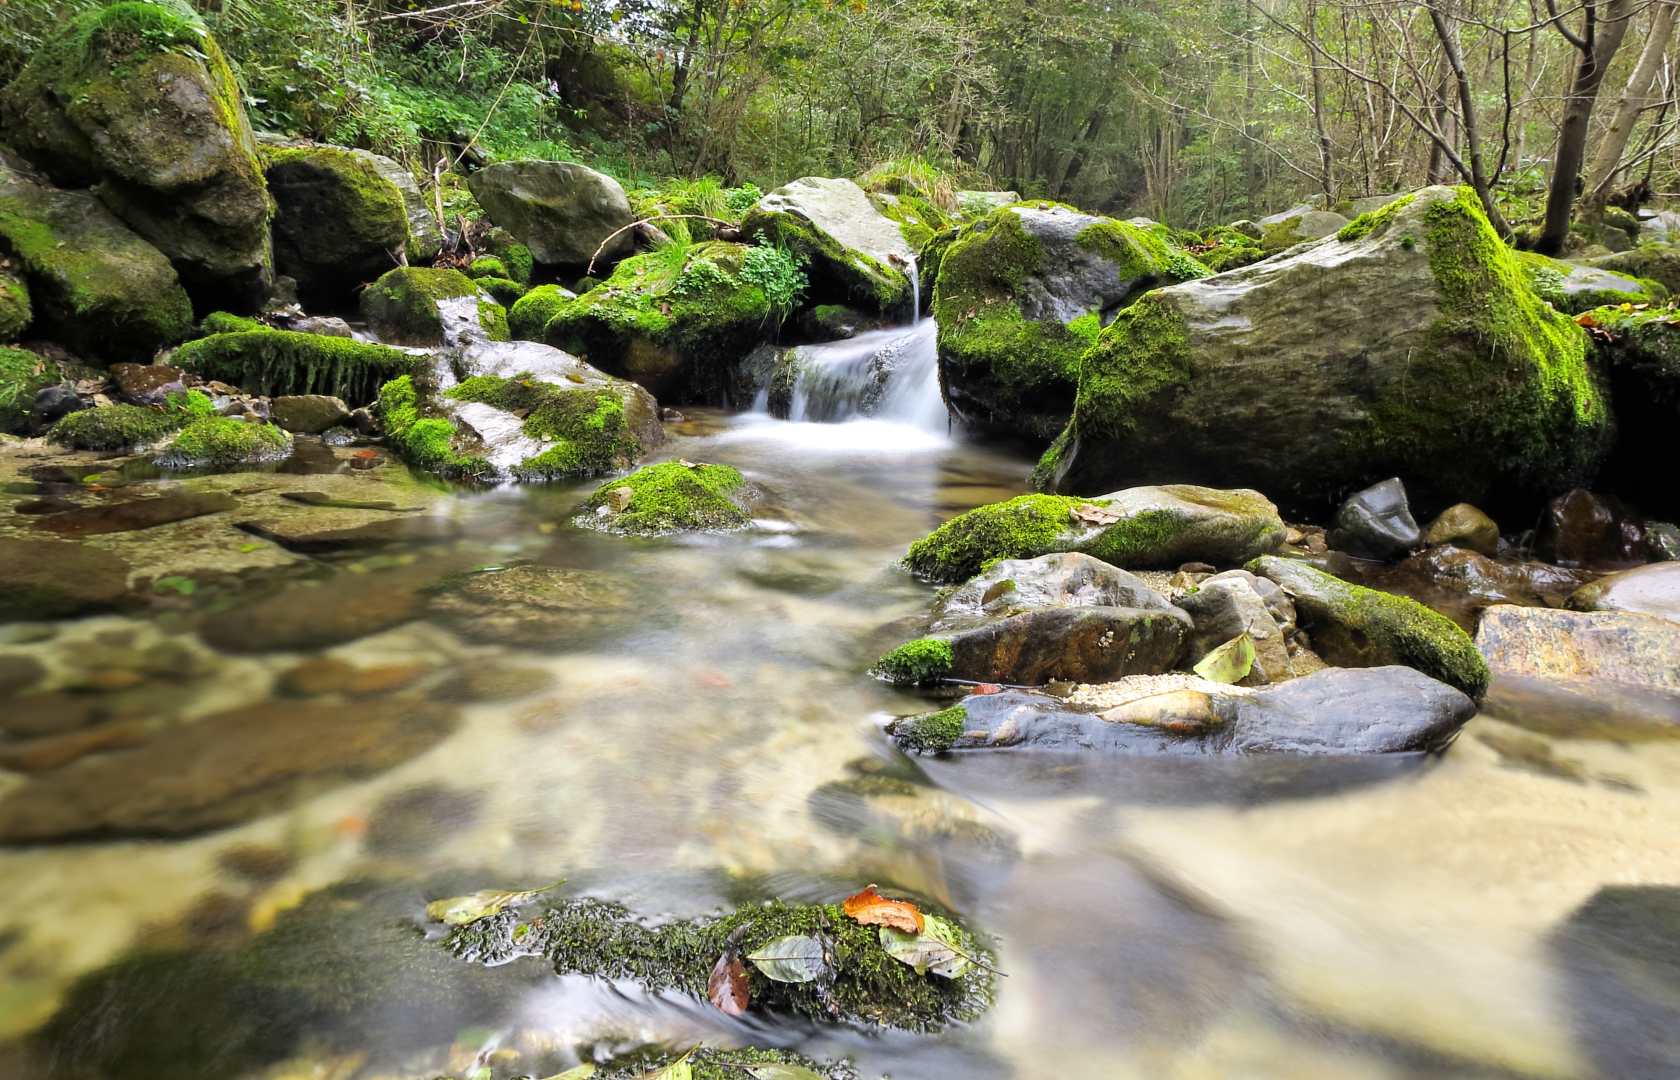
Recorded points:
(560,210)
(338,221)
(537,607)
(308,414)
(1237,602)
(48,579)
(855,254)
(1376,523)
(147,384)
(1645,590)
(1066,579)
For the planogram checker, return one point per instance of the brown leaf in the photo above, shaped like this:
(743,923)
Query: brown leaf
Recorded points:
(872,909)
(982,689)
(1092,514)
(1586,319)
(727,985)
(687,464)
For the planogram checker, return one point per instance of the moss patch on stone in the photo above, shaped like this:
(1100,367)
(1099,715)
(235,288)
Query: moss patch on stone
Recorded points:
(487,266)
(129,427)
(587,426)
(669,497)
(930,733)
(276,362)
(1020,528)
(505,291)
(425,442)
(403,304)
(340,220)
(225,441)
(22,376)
(222,322)
(913,663)
(1138,356)
(529,315)
(15,310)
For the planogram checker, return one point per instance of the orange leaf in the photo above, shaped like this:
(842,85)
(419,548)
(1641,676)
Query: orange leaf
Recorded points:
(1586,319)
(727,984)
(872,909)
(982,689)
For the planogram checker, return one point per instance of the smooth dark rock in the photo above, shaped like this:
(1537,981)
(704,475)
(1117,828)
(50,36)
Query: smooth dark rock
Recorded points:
(147,384)
(1377,522)
(46,579)
(1082,644)
(308,414)
(1583,529)
(135,514)
(376,534)
(56,402)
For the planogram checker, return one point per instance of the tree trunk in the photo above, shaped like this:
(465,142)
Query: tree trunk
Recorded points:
(1636,96)
(1479,178)
(1597,48)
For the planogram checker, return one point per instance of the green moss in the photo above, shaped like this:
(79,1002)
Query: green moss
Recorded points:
(668,497)
(341,219)
(1141,253)
(225,441)
(519,262)
(1020,528)
(274,362)
(221,322)
(1224,248)
(505,290)
(1355,626)
(932,733)
(128,427)
(591,937)
(15,310)
(588,426)
(923,660)
(425,442)
(529,315)
(492,319)
(488,266)
(403,304)
(1140,355)
(1374,221)
(22,376)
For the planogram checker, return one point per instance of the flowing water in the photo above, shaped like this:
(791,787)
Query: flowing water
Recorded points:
(709,737)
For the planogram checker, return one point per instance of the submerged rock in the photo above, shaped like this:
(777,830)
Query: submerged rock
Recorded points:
(1138,527)
(561,210)
(1580,528)
(535,607)
(670,497)
(853,253)
(1376,710)
(1023,293)
(1377,522)
(94,284)
(138,513)
(138,98)
(49,579)
(1644,590)
(1615,646)
(1358,627)
(339,222)
(1275,376)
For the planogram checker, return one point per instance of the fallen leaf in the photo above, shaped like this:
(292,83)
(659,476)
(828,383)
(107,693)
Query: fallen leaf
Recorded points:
(459,910)
(579,1072)
(679,1069)
(1230,662)
(1092,514)
(986,688)
(938,948)
(351,825)
(1586,319)
(872,909)
(781,1072)
(796,958)
(727,985)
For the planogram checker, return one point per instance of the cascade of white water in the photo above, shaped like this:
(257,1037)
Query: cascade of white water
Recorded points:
(890,375)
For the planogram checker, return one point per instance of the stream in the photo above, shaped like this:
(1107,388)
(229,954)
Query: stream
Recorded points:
(712,739)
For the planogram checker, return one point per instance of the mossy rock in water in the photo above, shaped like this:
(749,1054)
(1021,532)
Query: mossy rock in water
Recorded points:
(15,311)
(669,497)
(225,442)
(1023,293)
(407,306)
(338,221)
(129,427)
(282,362)
(863,983)
(426,440)
(584,429)
(138,98)
(529,315)
(1162,527)
(1573,288)
(726,1063)
(22,375)
(671,320)
(1640,353)
(1470,388)
(94,284)
(1353,626)
(854,254)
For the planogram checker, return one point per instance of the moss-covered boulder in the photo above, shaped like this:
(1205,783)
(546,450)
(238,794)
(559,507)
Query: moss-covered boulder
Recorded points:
(1297,226)
(529,315)
(138,98)
(1226,247)
(1353,626)
(15,310)
(1023,293)
(22,375)
(1470,387)
(1647,262)
(262,360)
(339,223)
(415,305)
(1574,287)
(225,442)
(674,496)
(519,411)
(562,211)
(128,428)
(673,323)
(853,977)
(1640,354)
(855,254)
(93,283)
(1160,527)
(425,237)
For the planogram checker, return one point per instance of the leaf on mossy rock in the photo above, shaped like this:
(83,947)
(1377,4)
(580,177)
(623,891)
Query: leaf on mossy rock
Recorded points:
(938,948)
(726,987)
(778,1071)
(578,1072)
(1230,662)
(1092,514)
(796,958)
(679,1069)
(460,910)
(872,909)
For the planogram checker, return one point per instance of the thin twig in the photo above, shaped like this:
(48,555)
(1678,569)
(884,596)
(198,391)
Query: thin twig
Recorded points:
(590,269)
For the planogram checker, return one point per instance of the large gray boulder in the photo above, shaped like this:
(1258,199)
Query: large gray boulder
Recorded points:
(425,238)
(561,210)
(1022,294)
(153,116)
(1280,376)
(854,254)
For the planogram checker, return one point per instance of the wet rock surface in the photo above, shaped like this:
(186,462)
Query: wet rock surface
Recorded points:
(1377,523)
(535,606)
(563,211)
(1644,590)
(49,579)
(1617,646)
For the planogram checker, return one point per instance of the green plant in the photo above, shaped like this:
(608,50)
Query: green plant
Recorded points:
(778,274)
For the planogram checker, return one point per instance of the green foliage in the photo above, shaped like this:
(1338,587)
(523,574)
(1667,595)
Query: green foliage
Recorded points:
(778,274)
(22,376)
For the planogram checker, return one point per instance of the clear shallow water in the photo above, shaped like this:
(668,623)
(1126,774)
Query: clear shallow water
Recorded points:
(1397,918)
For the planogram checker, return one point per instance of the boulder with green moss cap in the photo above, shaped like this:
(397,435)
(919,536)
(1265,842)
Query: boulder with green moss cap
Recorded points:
(854,254)
(1658,262)
(262,360)
(425,238)
(1353,626)
(1023,293)
(562,211)
(23,374)
(137,98)
(1296,226)
(93,283)
(128,428)
(528,316)
(414,305)
(1158,527)
(675,325)
(225,442)
(1575,287)
(673,496)
(1276,376)
(338,221)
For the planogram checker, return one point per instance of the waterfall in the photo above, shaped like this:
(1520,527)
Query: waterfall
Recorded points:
(885,375)
(915,292)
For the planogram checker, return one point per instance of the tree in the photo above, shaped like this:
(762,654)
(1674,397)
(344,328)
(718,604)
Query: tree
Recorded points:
(1597,44)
